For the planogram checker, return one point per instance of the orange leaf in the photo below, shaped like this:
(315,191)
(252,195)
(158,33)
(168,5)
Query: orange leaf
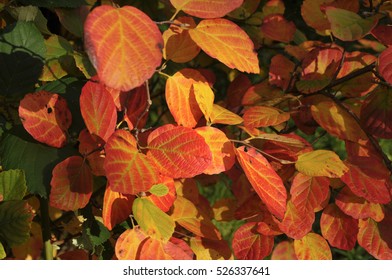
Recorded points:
(207,249)
(178,249)
(308,193)
(219,39)
(205,98)
(296,223)
(123,44)
(116,207)
(281,71)
(223,156)
(206,9)
(277,28)
(98,109)
(264,180)
(179,152)
(224,116)
(376,238)
(339,229)
(174,249)
(358,207)
(46,117)
(128,243)
(127,170)
(181,99)
(72,184)
(179,46)
(284,251)
(312,247)
(262,116)
(372,189)
(248,244)
(166,201)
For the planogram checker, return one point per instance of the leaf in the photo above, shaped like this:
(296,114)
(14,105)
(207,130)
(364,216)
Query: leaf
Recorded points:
(284,251)
(180,97)
(193,219)
(2,252)
(73,19)
(153,220)
(135,105)
(159,190)
(15,220)
(383,34)
(72,184)
(262,116)
(339,229)
(264,180)
(250,245)
(46,117)
(12,185)
(54,3)
(308,193)
(218,38)
(363,185)
(98,109)
(128,243)
(123,44)
(312,247)
(116,207)
(203,9)
(247,8)
(91,148)
(223,155)
(296,223)
(277,28)
(376,237)
(262,94)
(205,98)
(163,194)
(314,17)
(376,112)
(178,152)
(321,163)
(206,249)
(224,116)
(178,249)
(22,51)
(32,248)
(281,71)
(179,46)
(347,25)
(358,207)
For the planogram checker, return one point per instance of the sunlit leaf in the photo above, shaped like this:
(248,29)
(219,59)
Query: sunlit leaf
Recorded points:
(12,184)
(206,9)
(178,152)
(72,184)
(152,220)
(128,243)
(46,117)
(128,170)
(98,109)
(205,98)
(284,251)
(223,156)
(312,247)
(2,252)
(339,229)
(224,116)
(163,194)
(347,25)
(277,28)
(248,244)
(219,39)
(264,180)
(123,44)
(262,116)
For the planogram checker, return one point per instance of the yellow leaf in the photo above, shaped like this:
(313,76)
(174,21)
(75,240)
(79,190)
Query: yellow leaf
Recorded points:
(205,98)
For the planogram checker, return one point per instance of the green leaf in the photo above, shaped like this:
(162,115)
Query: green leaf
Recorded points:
(12,184)
(54,3)
(30,13)
(19,151)
(15,221)
(159,190)
(347,25)
(153,220)
(2,252)
(22,51)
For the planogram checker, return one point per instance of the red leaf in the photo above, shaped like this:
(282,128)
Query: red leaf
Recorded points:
(98,109)
(281,71)
(312,247)
(91,146)
(178,152)
(116,207)
(284,251)
(46,117)
(206,9)
(277,28)
(72,184)
(123,44)
(178,249)
(128,170)
(248,244)
(237,89)
(264,180)
(383,34)
(339,229)
(136,105)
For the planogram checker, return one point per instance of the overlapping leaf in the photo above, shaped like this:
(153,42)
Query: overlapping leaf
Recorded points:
(312,247)
(128,243)
(205,98)
(123,44)
(206,9)
(207,249)
(135,104)
(72,184)
(223,116)
(166,199)
(281,71)
(264,180)
(277,28)
(91,147)
(178,152)
(284,251)
(128,170)
(248,244)
(46,117)
(383,34)
(98,109)
(219,39)
(314,17)
(262,116)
